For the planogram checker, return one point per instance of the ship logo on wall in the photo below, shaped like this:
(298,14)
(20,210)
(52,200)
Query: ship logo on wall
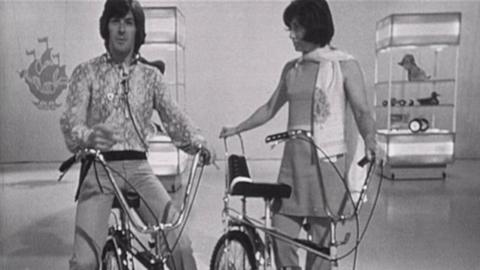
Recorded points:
(45,78)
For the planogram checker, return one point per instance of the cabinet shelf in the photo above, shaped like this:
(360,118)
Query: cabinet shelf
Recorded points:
(417,106)
(403,82)
(407,132)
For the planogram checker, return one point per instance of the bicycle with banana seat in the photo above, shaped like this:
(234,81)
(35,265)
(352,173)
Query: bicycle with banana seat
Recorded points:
(125,247)
(247,242)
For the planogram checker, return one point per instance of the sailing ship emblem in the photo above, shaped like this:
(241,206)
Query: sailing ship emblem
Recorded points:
(45,78)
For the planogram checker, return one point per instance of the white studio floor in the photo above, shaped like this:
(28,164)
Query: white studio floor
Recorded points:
(418,224)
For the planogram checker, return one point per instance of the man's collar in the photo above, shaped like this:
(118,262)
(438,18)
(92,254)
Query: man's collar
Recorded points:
(107,56)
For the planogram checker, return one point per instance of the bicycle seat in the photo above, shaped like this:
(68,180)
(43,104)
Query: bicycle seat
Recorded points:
(132,198)
(261,190)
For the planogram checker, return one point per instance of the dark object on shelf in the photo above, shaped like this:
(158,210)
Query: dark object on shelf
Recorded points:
(411,102)
(418,125)
(399,117)
(414,72)
(432,100)
(395,102)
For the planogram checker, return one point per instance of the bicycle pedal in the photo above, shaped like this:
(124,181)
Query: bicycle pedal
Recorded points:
(151,244)
(146,256)
(345,240)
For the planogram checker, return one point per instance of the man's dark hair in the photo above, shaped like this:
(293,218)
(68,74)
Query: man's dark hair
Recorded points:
(314,16)
(118,9)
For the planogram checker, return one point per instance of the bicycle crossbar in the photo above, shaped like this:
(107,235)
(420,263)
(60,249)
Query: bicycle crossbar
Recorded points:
(307,245)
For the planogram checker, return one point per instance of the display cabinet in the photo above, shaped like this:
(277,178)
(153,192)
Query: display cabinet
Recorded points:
(165,41)
(416,67)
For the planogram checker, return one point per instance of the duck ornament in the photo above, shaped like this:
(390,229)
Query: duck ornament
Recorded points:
(428,101)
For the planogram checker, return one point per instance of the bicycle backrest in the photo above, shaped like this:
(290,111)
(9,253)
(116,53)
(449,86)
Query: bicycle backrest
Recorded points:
(237,168)
(239,182)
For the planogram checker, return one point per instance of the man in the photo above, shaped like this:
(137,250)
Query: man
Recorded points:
(109,105)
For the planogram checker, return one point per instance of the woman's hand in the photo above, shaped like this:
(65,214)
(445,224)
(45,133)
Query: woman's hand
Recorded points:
(228,131)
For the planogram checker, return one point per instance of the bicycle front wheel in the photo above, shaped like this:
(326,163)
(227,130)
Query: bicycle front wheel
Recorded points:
(113,258)
(233,251)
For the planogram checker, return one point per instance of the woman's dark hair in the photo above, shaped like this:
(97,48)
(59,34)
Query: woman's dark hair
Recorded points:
(118,9)
(314,16)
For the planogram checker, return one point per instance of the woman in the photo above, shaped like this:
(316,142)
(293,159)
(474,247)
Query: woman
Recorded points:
(316,87)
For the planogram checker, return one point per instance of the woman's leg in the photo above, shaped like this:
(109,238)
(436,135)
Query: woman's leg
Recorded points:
(286,256)
(320,231)
(159,202)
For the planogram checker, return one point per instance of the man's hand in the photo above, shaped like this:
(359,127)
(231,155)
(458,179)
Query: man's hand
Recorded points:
(103,137)
(370,149)
(208,157)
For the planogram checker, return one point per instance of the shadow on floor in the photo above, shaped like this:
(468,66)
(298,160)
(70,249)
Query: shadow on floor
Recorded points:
(48,236)
(37,183)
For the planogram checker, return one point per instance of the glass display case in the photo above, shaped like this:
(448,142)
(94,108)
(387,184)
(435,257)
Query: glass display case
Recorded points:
(416,66)
(165,41)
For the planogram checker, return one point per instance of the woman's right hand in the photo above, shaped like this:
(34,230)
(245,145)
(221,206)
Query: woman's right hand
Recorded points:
(228,131)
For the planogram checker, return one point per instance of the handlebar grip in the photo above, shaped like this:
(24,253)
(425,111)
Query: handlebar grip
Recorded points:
(67,164)
(362,162)
(276,137)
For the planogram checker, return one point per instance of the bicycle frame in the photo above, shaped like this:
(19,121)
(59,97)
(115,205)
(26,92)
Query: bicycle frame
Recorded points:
(139,225)
(122,234)
(235,220)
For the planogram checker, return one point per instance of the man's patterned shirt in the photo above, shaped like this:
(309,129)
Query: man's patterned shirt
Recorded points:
(97,94)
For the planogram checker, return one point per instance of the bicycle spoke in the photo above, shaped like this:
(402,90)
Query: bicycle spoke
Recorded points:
(235,257)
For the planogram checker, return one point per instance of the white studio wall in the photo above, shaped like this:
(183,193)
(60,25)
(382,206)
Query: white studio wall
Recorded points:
(235,51)
(42,42)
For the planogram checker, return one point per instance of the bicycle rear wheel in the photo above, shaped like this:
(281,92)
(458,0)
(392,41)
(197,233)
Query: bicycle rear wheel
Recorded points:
(113,258)
(233,251)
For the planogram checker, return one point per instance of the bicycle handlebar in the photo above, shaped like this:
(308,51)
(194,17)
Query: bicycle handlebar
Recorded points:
(79,155)
(138,224)
(67,164)
(294,133)
(290,134)
(307,136)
